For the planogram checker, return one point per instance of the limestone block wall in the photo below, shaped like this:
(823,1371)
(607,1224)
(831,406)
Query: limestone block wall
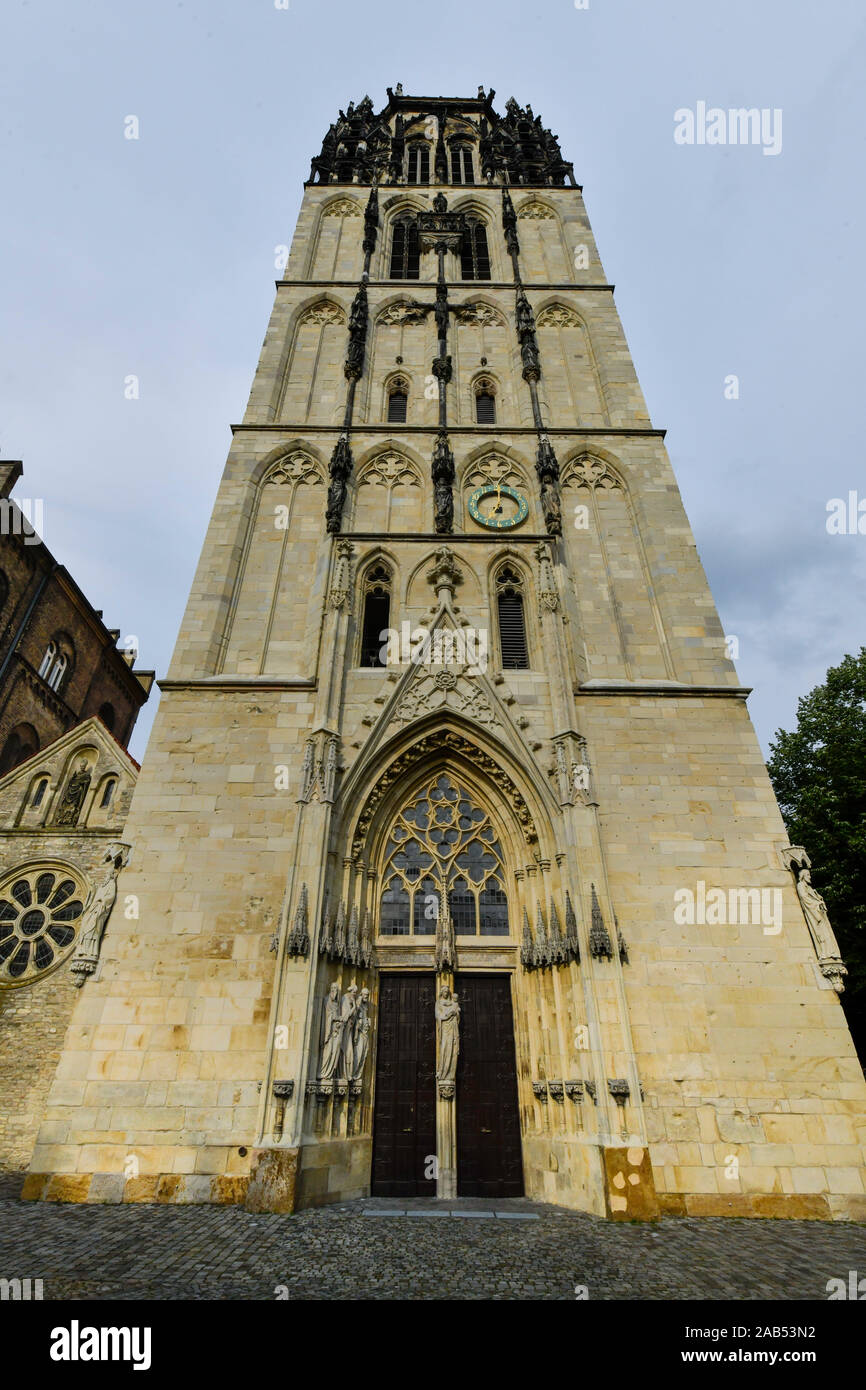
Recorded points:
(165,1051)
(741,1043)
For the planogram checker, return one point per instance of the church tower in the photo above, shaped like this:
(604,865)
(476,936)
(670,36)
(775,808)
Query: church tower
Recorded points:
(454,867)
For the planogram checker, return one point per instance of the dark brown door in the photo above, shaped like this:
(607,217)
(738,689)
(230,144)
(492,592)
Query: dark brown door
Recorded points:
(404,1125)
(489,1161)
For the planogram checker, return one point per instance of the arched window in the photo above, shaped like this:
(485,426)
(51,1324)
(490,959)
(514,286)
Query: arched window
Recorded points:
(57,672)
(405,250)
(474,255)
(21,744)
(512,620)
(398,401)
(108,716)
(485,402)
(48,659)
(108,792)
(377,614)
(443,848)
(39,792)
(418,168)
(462,170)
(56,661)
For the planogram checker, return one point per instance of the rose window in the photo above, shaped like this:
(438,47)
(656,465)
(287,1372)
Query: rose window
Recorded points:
(39,913)
(441,842)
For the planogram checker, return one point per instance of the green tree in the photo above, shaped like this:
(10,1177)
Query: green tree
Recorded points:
(819,776)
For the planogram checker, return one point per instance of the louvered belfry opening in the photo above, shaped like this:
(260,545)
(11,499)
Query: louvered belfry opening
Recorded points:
(512,621)
(485,408)
(398,403)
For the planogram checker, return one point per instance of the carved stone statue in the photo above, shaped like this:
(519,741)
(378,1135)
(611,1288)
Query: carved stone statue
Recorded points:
(361,1034)
(826,945)
(95,918)
(332,1034)
(73,797)
(347,1020)
(551,508)
(447,1040)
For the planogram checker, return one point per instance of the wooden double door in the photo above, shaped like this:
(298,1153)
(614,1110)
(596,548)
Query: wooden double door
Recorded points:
(488,1153)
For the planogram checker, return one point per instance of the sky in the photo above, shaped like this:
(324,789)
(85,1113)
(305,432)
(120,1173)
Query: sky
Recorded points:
(154,258)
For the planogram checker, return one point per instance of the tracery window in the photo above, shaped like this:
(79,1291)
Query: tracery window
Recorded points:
(442,843)
(512,620)
(377,614)
(38,912)
(405,250)
(474,254)
(462,170)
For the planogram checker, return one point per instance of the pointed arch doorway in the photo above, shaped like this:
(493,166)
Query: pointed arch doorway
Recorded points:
(443,853)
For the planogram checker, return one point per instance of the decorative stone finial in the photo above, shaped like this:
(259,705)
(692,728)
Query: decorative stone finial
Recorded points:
(445,574)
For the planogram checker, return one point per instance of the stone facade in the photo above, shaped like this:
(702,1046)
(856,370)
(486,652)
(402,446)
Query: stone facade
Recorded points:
(35,1008)
(698,1066)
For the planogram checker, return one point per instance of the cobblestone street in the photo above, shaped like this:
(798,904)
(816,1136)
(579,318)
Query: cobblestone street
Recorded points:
(482,1250)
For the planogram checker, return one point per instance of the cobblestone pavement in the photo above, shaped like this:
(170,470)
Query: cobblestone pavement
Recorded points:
(510,1250)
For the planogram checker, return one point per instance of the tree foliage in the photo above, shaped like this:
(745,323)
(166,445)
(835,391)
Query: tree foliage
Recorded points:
(819,776)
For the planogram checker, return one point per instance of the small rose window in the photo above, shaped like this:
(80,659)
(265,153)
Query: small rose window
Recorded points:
(39,913)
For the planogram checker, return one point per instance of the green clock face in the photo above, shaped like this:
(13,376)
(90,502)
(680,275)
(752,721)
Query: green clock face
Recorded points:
(498,507)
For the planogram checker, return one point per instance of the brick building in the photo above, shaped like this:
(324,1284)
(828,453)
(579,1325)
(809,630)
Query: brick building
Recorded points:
(59,663)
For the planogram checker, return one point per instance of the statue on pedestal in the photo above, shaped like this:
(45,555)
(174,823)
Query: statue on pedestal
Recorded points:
(447,1041)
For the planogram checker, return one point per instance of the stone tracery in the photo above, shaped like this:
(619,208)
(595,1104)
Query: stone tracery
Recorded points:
(442,855)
